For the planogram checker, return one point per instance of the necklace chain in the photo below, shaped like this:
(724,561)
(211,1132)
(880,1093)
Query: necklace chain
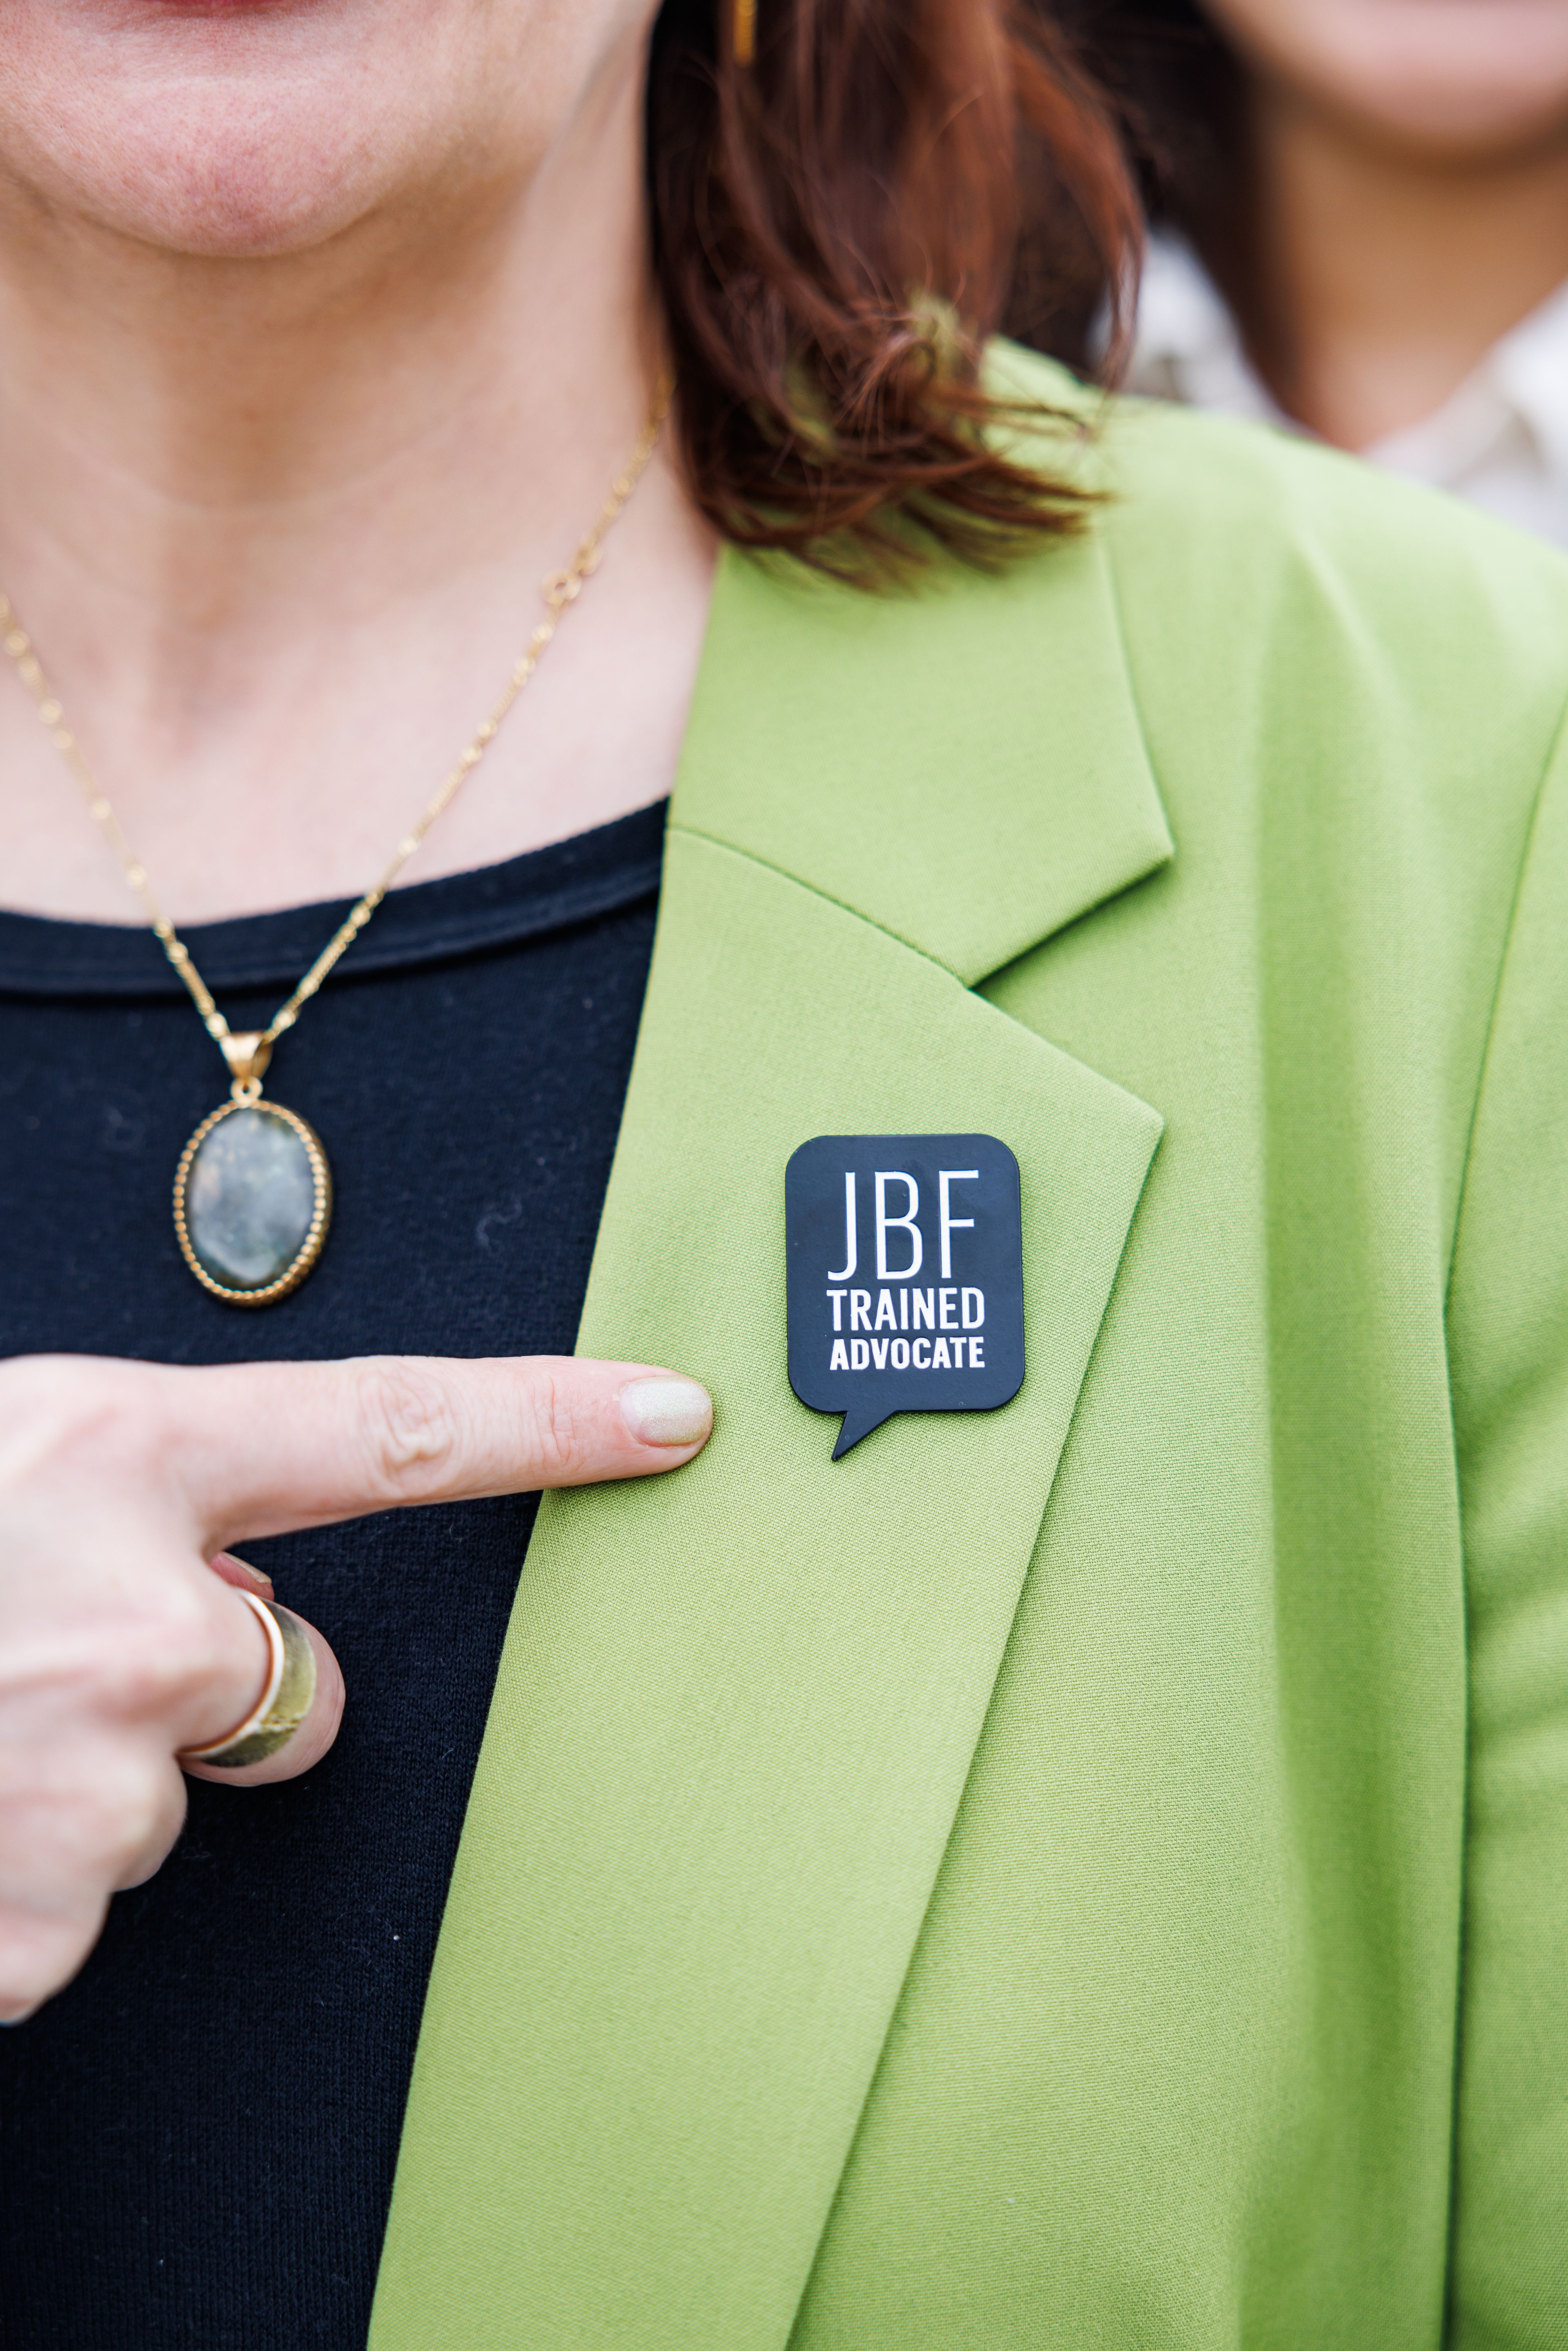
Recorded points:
(560,590)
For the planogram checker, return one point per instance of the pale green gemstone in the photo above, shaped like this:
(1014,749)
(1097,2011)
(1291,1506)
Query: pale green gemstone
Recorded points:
(250,1199)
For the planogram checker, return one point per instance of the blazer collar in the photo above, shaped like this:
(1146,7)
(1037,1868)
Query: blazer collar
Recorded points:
(963,767)
(737,1707)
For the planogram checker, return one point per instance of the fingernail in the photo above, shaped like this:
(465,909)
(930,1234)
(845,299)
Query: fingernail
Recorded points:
(256,1575)
(666,1410)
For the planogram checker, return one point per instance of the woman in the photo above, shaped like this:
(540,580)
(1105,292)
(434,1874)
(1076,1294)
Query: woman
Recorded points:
(1006,1885)
(1364,228)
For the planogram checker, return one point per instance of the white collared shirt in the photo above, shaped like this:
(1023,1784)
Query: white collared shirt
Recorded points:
(1499,440)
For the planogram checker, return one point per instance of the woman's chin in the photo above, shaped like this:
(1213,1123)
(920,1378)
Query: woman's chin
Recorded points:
(216,198)
(222,127)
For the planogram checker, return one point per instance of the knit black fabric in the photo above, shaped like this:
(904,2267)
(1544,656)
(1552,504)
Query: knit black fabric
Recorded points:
(197,2139)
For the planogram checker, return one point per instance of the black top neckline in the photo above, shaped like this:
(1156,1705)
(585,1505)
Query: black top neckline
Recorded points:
(522,897)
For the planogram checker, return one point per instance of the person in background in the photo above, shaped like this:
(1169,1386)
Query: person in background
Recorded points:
(1360,215)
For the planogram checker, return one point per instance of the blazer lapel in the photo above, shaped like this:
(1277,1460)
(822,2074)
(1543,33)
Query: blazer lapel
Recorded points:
(737,1706)
(965,768)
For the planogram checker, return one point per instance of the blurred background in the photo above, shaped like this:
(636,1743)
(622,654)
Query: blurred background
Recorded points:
(1359,215)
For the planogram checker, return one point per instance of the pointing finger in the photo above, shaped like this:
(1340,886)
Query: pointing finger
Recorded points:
(260,1449)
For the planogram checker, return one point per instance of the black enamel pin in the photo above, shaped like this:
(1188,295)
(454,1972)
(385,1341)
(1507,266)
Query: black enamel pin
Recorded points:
(905,1276)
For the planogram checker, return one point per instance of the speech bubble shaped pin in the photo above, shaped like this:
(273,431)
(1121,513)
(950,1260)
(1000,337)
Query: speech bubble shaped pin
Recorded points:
(905,1276)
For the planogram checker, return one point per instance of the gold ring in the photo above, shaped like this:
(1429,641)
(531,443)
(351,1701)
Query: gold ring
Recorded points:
(284,1703)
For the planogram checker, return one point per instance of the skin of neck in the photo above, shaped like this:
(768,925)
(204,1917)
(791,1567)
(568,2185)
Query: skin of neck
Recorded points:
(311,369)
(1389,269)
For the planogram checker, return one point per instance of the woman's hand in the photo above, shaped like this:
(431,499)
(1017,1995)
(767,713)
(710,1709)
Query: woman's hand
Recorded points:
(121,1644)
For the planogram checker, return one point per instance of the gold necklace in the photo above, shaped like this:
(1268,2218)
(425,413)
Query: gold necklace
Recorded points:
(253,1191)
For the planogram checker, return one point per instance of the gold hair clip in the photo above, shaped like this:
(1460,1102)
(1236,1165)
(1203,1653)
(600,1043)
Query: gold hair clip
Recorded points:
(745,31)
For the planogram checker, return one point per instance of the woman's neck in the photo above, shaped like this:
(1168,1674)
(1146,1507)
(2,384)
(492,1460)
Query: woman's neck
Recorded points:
(276,526)
(1396,271)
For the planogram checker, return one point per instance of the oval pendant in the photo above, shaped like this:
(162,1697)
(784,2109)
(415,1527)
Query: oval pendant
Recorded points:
(252,1197)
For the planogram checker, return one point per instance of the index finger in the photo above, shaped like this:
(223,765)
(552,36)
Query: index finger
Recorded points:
(263,1448)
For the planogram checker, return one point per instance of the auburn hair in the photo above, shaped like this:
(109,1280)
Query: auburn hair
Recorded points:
(838,225)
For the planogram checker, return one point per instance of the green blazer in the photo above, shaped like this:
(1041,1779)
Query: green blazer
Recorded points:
(1093,1875)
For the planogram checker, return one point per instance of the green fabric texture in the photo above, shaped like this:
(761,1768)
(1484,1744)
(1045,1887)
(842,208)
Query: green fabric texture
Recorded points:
(1093,1875)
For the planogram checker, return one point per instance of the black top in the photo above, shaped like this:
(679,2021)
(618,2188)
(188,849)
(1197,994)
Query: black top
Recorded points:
(197,2139)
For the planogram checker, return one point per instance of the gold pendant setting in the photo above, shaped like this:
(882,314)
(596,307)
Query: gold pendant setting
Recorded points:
(253,1192)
